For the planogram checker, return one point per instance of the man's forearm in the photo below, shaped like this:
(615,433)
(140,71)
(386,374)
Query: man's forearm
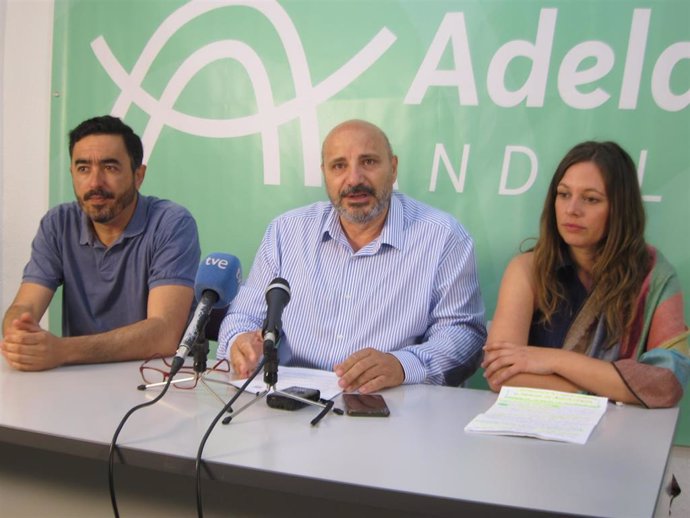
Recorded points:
(140,340)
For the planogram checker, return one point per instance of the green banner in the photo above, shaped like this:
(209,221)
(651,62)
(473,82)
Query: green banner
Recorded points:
(480,101)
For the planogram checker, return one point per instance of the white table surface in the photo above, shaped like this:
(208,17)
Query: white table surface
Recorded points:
(418,458)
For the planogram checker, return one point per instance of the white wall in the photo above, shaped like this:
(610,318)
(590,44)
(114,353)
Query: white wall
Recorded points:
(2,60)
(27,32)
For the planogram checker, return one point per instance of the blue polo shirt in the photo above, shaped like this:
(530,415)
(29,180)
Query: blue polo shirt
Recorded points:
(107,287)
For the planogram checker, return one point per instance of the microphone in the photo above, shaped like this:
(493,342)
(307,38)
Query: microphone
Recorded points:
(277,297)
(217,281)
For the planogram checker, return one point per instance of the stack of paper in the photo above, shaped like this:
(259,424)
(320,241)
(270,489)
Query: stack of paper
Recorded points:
(544,414)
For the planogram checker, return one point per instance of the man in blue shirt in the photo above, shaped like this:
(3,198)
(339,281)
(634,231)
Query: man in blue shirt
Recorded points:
(384,288)
(126,262)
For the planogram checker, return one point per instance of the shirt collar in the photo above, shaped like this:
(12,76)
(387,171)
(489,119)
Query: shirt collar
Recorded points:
(136,224)
(392,233)
(393,230)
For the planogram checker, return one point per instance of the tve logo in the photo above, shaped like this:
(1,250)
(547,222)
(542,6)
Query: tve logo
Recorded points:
(269,117)
(218,262)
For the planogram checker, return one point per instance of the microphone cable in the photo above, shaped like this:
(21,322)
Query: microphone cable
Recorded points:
(113,443)
(202,444)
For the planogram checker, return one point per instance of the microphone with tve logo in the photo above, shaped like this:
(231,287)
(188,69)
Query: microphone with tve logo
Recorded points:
(277,297)
(216,284)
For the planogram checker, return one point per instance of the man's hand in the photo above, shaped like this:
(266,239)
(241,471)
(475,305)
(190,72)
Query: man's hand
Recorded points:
(28,347)
(245,352)
(369,370)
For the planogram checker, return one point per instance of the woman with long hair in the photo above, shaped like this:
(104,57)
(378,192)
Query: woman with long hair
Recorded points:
(592,307)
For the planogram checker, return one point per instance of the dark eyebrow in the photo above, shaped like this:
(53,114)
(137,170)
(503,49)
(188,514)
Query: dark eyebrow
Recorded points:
(588,190)
(105,161)
(336,160)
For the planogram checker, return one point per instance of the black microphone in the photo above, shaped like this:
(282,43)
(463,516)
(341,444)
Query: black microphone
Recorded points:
(216,284)
(277,297)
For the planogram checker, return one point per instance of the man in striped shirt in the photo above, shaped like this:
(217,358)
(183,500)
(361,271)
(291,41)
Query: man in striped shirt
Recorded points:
(384,288)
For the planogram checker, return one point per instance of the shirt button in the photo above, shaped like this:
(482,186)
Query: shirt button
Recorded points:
(348,296)
(339,337)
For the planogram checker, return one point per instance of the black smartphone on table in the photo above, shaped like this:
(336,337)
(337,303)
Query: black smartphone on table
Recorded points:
(277,400)
(365,405)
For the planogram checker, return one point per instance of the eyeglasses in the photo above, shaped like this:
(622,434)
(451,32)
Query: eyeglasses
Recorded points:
(156,370)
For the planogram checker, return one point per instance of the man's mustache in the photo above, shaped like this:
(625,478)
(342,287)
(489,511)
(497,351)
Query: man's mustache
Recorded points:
(358,189)
(98,192)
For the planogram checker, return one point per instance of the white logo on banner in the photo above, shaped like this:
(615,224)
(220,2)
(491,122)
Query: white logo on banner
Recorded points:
(269,116)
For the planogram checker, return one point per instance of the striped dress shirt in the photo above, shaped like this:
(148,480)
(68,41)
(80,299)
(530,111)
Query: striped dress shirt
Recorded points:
(413,292)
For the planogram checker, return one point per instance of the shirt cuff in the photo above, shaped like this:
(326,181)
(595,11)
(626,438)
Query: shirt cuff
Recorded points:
(223,351)
(413,369)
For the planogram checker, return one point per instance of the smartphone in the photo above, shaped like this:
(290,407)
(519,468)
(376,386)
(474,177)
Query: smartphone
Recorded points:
(277,400)
(365,405)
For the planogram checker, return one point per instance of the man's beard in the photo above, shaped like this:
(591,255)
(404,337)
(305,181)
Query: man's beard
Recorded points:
(106,213)
(361,215)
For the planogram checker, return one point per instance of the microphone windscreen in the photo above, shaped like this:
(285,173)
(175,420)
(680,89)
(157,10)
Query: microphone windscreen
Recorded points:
(221,273)
(279,285)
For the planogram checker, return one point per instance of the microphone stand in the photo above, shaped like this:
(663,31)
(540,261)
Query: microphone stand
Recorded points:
(271,378)
(199,351)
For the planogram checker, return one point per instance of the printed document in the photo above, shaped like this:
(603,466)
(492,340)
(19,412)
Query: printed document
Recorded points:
(543,414)
(325,381)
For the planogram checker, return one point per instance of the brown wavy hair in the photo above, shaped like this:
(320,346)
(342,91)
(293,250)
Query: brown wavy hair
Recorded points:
(621,260)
